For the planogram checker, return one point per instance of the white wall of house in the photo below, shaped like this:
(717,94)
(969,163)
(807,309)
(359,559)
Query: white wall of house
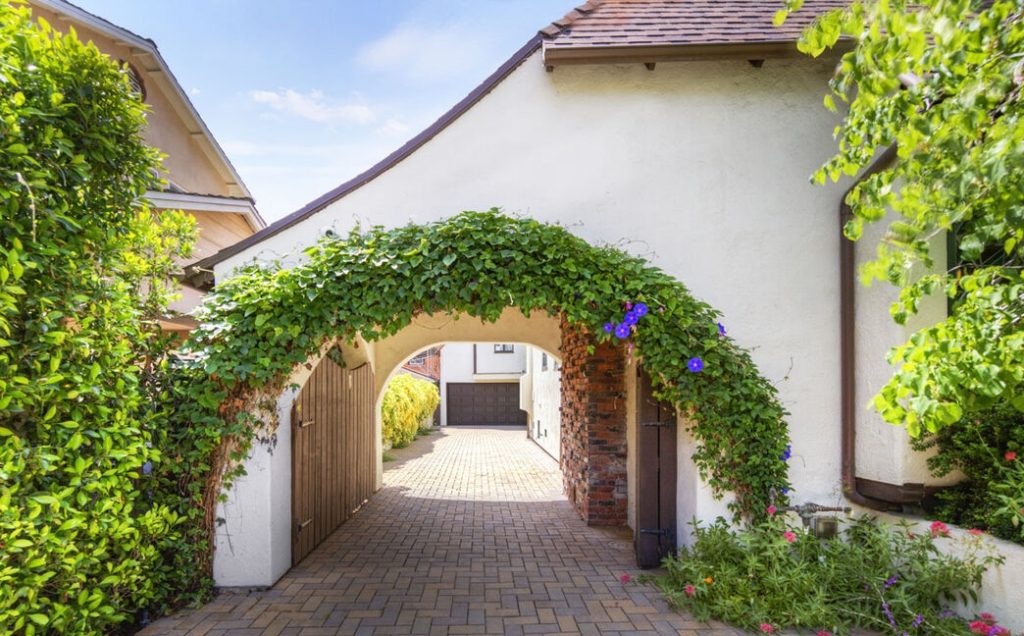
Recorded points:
(457,366)
(702,168)
(540,395)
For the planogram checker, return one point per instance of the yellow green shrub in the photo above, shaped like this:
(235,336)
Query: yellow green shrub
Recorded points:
(408,403)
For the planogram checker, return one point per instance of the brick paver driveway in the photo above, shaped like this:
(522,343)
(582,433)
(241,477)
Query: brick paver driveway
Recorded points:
(470,535)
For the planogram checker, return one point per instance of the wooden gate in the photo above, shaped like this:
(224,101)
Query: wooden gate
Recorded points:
(655,535)
(333,461)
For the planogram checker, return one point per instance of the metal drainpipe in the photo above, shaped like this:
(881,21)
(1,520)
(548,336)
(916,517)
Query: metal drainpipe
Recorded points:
(847,347)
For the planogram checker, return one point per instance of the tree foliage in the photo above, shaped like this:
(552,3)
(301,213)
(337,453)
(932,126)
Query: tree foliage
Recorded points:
(940,79)
(261,323)
(83,266)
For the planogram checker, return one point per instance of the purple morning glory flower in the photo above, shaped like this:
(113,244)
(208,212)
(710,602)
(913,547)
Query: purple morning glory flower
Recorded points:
(721,329)
(695,365)
(786,454)
(147,468)
(785,491)
(609,327)
(622,330)
(640,309)
(630,318)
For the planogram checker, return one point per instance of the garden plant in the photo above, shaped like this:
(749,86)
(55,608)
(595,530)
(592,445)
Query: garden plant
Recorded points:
(408,402)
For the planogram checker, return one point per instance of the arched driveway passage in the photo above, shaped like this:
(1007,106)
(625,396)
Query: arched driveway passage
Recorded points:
(469,535)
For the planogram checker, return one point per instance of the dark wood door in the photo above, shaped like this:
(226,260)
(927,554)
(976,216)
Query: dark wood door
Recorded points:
(484,403)
(655,535)
(334,466)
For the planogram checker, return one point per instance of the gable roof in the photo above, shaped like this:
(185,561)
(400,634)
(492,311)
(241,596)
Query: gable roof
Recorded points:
(654,30)
(146,55)
(735,23)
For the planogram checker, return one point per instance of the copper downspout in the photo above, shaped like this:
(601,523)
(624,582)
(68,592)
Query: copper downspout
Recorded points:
(847,347)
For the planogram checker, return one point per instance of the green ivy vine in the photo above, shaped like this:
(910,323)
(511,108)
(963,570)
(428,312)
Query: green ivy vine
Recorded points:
(264,321)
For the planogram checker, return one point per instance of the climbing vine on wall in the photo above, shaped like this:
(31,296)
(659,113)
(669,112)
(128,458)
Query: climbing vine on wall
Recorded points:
(263,322)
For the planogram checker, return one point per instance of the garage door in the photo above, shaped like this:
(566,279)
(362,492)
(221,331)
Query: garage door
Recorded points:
(491,403)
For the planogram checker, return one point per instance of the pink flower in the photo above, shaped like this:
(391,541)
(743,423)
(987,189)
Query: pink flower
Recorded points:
(1010,456)
(690,590)
(985,616)
(771,510)
(976,533)
(767,628)
(625,578)
(979,627)
(938,529)
(824,632)
(789,536)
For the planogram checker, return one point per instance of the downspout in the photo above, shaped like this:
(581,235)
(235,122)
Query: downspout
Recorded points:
(847,347)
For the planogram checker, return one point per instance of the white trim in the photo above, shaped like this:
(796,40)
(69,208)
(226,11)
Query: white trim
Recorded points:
(206,203)
(157,68)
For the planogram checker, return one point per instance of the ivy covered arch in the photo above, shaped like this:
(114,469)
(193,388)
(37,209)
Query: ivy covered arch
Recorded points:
(262,323)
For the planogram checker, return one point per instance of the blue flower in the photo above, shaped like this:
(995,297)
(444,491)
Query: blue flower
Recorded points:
(785,491)
(721,329)
(630,318)
(609,327)
(147,468)
(787,453)
(640,309)
(622,330)
(695,365)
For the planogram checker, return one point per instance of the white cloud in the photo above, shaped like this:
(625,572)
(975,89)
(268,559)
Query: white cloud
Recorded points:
(314,106)
(394,127)
(427,53)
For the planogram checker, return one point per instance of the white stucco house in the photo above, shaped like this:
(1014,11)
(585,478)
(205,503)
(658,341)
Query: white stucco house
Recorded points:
(685,131)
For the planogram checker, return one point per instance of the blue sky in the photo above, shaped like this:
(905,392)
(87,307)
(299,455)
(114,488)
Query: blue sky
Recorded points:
(304,94)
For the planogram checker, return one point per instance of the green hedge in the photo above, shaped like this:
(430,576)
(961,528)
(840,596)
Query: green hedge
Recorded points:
(83,263)
(988,448)
(408,403)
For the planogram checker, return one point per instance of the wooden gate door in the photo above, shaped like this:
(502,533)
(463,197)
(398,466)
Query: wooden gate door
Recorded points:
(655,535)
(333,462)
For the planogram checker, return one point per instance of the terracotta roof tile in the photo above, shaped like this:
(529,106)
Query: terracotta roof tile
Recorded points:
(601,23)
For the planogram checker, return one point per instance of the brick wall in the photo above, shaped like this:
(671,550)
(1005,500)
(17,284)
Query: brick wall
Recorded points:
(428,363)
(594,428)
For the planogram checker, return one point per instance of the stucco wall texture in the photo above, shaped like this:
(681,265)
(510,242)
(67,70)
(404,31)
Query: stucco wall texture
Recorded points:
(703,169)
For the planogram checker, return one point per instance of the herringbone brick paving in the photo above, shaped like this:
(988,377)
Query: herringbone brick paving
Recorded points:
(469,535)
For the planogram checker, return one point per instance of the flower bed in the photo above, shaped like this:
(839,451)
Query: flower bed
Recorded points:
(895,579)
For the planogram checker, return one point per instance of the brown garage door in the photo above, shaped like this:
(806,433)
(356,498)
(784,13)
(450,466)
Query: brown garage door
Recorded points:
(490,403)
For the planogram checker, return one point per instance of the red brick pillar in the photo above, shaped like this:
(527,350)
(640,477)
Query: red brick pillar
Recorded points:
(593,443)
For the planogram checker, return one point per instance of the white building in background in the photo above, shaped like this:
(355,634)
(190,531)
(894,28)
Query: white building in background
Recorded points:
(540,395)
(480,383)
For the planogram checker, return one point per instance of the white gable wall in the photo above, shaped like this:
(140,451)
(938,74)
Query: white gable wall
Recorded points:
(701,167)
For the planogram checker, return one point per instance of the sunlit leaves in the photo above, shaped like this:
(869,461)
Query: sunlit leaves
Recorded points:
(942,80)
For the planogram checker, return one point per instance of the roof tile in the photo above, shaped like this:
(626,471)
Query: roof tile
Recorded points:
(678,22)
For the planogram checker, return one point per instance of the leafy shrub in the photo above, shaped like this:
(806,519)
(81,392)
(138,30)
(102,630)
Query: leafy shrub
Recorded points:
(984,448)
(83,271)
(772,576)
(407,402)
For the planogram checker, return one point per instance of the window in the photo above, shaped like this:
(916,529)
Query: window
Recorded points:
(419,358)
(543,361)
(504,348)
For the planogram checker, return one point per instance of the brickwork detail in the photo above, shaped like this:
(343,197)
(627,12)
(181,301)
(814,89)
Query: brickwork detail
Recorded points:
(427,363)
(593,443)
